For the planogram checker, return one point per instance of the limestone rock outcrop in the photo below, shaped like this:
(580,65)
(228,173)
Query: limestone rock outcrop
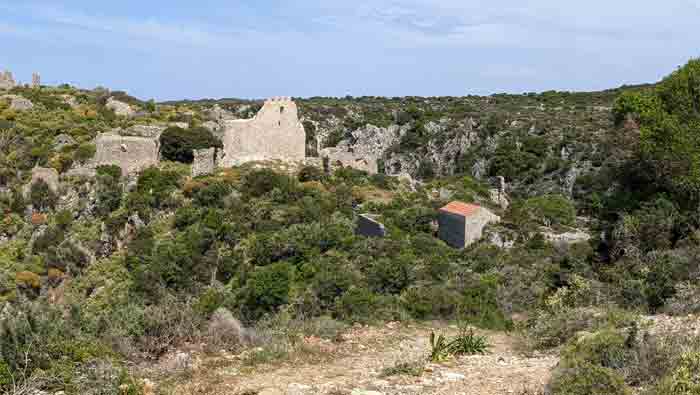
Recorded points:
(336,158)
(18,103)
(120,108)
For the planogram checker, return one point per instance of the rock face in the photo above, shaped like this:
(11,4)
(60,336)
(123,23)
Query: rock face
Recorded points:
(120,108)
(337,158)
(576,236)
(62,140)
(274,133)
(18,103)
(462,224)
(7,82)
(203,163)
(130,153)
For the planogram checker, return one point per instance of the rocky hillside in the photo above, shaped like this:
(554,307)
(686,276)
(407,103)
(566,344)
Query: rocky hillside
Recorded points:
(159,281)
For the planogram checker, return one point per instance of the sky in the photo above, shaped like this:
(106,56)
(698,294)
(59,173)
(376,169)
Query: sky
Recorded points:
(178,49)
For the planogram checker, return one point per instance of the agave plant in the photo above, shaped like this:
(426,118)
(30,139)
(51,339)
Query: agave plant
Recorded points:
(439,348)
(469,343)
(466,343)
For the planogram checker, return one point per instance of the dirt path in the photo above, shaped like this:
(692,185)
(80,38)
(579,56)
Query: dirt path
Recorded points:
(355,367)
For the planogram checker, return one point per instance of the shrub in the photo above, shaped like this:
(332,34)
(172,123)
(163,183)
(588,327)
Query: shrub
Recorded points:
(684,379)
(545,210)
(266,289)
(177,144)
(85,152)
(41,196)
(434,301)
(310,173)
(28,280)
(357,304)
(583,378)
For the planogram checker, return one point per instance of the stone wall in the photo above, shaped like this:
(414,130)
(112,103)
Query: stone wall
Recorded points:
(6,80)
(47,174)
(460,230)
(367,225)
(274,133)
(36,80)
(337,157)
(203,163)
(130,153)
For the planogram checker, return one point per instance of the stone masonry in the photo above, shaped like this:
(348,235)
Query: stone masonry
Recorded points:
(130,153)
(337,157)
(6,80)
(274,133)
(47,174)
(462,224)
(203,163)
(36,80)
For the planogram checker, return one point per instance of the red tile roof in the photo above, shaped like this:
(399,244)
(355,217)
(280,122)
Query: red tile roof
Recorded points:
(461,208)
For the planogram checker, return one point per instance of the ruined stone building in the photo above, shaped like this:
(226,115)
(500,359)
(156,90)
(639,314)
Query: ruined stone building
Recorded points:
(337,157)
(130,153)
(274,133)
(462,224)
(36,80)
(6,80)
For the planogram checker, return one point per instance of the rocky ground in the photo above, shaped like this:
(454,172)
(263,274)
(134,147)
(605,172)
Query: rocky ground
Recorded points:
(358,364)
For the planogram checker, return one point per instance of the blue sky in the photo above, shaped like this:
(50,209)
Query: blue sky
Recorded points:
(258,48)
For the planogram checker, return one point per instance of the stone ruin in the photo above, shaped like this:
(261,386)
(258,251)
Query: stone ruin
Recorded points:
(130,153)
(274,133)
(367,225)
(7,81)
(36,80)
(47,174)
(337,158)
(204,162)
(120,108)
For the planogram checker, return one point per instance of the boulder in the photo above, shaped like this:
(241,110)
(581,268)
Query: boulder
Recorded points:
(148,131)
(223,326)
(120,108)
(18,103)
(62,140)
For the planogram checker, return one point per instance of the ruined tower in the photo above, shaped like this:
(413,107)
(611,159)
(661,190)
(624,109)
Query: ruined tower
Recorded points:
(36,80)
(274,133)
(6,80)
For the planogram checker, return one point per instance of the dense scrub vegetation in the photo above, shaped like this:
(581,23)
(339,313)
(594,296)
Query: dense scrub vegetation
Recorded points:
(112,269)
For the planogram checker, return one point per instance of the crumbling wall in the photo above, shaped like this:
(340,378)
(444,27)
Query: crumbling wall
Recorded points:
(47,174)
(203,163)
(7,81)
(130,153)
(36,80)
(339,158)
(274,133)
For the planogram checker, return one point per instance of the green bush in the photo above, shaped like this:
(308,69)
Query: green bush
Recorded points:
(548,210)
(41,196)
(178,144)
(575,377)
(267,289)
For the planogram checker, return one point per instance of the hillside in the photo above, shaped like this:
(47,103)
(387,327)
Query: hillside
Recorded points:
(155,281)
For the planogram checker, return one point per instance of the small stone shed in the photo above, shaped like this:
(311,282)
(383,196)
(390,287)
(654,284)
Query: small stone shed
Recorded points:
(369,226)
(462,224)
